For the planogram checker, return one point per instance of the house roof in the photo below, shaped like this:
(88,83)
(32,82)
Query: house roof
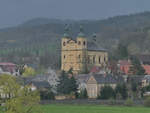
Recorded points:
(95,69)
(136,78)
(41,84)
(124,62)
(82,78)
(38,84)
(7,64)
(144,57)
(147,68)
(147,77)
(104,79)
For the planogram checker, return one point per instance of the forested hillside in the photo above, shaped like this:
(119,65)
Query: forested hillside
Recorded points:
(41,37)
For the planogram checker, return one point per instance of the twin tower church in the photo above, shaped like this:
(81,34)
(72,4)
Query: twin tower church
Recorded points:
(78,55)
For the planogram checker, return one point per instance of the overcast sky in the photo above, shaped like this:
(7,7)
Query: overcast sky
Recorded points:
(13,12)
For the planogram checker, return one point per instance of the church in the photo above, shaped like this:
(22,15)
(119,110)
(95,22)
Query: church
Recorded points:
(79,55)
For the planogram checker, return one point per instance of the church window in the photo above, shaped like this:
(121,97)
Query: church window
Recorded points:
(99,59)
(88,60)
(84,43)
(79,56)
(104,59)
(79,43)
(64,43)
(64,56)
(93,59)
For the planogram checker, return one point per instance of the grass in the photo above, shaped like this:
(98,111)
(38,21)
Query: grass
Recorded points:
(92,109)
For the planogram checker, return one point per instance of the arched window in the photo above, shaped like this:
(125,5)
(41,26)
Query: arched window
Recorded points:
(64,43)
(64,56)
(79,56)
(79,43)
(84,43)
(93,59)
(99,59)
(104,59)
(88,60)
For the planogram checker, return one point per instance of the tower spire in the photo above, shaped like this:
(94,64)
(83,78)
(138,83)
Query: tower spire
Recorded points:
(81,33)
(66,31)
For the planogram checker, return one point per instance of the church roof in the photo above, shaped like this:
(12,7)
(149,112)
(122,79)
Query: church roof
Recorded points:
(91,46)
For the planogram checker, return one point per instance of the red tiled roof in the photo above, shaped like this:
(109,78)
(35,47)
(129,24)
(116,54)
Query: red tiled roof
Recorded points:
(124,62)
(7,64)
(95,69)
(147,69)
(125,68)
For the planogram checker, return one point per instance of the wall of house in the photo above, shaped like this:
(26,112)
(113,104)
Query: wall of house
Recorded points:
(93,88)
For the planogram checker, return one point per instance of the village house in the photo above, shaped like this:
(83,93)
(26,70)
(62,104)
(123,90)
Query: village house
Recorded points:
(145,81)
(97,81)
(124,66)
(9,68)
(36,85)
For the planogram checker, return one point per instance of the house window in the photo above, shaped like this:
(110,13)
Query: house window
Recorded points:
(64,43)
(79,43)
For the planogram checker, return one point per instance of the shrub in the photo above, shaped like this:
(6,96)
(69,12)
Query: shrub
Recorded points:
(47,95)
(112,101)
(107,92)
(129,102)
(147,102)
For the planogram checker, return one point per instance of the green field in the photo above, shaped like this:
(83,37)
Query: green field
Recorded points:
(92,109)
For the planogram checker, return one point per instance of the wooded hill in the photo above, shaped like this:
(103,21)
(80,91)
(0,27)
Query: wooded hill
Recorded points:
(40,35)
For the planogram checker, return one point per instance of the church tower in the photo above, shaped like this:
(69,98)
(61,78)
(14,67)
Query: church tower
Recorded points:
(73,52)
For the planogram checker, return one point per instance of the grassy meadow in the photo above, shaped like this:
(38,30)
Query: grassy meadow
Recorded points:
(92,109)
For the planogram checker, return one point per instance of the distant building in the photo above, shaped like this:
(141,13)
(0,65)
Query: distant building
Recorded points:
(79,55)
(145,81)
(144,58)
(8,68)
(125,65)
(36,85)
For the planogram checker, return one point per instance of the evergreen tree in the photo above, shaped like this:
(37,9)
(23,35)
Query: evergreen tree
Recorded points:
(63,84)
(136,68)
(122,51)
(134,86)
(73,85)
(66,84)
(122,90)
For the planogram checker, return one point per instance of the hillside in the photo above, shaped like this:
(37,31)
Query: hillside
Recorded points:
(42,34)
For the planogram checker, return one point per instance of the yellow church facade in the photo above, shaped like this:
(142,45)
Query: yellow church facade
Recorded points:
(76,54)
